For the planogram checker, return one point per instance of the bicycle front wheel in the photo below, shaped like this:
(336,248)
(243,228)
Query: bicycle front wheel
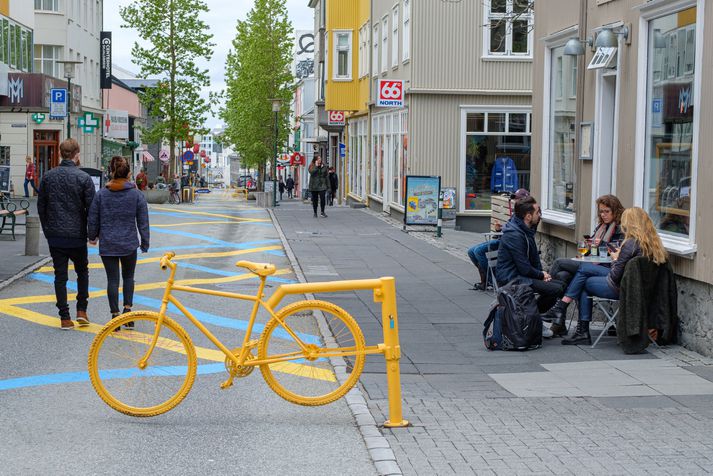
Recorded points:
(154,389)
(308,378)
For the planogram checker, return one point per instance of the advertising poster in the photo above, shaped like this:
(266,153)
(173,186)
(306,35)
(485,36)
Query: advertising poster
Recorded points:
(449,203)
(422,200)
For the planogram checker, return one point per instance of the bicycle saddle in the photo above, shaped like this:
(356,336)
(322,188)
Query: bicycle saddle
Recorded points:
(261,269)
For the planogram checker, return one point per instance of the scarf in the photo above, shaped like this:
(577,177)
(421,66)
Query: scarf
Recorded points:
(604,233)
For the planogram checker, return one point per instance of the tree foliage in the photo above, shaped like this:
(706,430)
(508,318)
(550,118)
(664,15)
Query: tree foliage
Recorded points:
(175,40)
(257,70)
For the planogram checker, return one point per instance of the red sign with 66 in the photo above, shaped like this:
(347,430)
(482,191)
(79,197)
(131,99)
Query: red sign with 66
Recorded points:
(391,93)
(336,118)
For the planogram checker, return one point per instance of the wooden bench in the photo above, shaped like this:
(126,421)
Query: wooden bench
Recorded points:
(9,212)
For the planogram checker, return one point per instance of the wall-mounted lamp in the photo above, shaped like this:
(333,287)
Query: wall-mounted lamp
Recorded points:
(575,46)
(609,37)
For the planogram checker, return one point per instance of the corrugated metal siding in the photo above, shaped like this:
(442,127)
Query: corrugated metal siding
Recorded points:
(447,40)
(342,14)
(434,132)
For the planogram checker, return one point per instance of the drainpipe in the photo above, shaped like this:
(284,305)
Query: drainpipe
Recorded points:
(581,82)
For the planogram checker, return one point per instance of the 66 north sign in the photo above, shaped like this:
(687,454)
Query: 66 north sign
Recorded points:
(391,93)
(335,118)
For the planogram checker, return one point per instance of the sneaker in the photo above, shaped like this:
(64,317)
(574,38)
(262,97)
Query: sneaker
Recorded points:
(324,215)
(82,319)
(114,316)
(315,215)
(66,324)
(546,332)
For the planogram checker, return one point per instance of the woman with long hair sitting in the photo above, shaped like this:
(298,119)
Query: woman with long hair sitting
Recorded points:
(640,239)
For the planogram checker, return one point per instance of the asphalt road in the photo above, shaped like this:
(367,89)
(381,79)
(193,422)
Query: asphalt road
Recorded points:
(53,422)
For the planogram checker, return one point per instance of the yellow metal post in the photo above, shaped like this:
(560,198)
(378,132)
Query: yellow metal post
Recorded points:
(392,350)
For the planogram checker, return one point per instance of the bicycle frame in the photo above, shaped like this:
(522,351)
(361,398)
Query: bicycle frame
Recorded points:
(247,343)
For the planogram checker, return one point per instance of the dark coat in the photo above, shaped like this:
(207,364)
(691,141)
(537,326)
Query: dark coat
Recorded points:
(290,183)
(518,256)
(628,251)
(116,213)
(648,299)
(318,181)
(66,193)
(333,181)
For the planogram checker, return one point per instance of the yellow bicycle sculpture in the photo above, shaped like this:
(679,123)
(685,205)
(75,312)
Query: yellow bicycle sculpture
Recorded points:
(148,368)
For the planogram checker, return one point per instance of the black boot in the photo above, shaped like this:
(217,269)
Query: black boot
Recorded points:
(581,335)
(557,313)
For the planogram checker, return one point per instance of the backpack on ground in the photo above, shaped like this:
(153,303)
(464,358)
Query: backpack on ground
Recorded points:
(514,321)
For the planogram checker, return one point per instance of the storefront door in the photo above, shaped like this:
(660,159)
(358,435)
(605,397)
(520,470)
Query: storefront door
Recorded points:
(46,151)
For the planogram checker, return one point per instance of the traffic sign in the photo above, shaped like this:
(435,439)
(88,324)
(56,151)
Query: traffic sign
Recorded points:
(88,123)
(342,150)
(391,93)
(58,103)
(336,118)
(188,156)
(163,155)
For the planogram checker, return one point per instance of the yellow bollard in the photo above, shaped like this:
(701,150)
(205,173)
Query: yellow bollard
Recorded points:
(392,350)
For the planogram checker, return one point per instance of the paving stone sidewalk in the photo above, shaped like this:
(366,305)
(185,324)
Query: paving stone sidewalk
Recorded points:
(480,412)
(12,252)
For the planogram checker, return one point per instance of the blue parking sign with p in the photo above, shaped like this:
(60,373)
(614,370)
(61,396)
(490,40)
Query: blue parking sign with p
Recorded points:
(58,103)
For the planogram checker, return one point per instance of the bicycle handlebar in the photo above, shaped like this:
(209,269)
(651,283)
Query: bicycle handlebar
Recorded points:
(166,259)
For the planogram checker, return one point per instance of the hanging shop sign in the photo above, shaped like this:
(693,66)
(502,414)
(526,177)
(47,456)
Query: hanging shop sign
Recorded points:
(336,118)
(116,124)
(421,198)
(38,117)
(88,123)
(105,60)
(391,93)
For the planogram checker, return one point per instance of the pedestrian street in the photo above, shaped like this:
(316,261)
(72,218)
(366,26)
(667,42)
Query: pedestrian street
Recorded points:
(54,422)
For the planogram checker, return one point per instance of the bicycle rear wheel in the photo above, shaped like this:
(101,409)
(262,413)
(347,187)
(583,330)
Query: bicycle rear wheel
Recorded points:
(308,379)
(115,374)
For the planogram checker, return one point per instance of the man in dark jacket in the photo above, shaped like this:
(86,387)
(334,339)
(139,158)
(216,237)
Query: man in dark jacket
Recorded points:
(519,258)
(66,193)
(333,185)
(290,185)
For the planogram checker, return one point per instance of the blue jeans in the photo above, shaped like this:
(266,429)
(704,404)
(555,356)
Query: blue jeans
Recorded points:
(27,190)
(590,280)
(477,254)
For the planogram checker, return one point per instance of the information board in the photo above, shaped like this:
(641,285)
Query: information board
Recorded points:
(421,198)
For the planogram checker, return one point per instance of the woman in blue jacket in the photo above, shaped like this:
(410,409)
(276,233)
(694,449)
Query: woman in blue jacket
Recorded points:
(119,218)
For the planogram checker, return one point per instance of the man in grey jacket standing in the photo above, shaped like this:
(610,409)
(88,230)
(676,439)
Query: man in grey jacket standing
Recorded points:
(66,193)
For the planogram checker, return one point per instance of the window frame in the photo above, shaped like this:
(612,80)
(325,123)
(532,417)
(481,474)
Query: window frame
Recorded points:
(406,32)
(485,110)
(556,217)
(57,55)
(384,44)
(376,48)
(681,246)
(395,37)
(335,53)
(56,6)
(508,54)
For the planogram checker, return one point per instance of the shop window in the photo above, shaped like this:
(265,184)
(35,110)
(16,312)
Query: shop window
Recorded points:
(497,156)
(669,175)
(562,132)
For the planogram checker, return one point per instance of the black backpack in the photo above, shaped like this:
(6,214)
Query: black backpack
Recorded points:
(514,323)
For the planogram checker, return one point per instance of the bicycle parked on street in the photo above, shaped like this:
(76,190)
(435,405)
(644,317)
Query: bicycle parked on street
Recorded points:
(149,369)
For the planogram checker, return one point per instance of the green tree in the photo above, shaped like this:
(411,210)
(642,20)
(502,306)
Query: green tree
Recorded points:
(258,69)
(175,40)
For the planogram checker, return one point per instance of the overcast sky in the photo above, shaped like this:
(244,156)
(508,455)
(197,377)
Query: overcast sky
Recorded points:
(221,19)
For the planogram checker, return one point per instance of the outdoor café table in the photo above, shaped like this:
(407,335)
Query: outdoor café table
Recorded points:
(592,259)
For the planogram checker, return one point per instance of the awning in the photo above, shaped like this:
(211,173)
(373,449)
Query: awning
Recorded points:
(147,157)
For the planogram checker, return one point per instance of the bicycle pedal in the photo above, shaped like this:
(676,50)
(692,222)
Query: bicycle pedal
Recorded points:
(227,384)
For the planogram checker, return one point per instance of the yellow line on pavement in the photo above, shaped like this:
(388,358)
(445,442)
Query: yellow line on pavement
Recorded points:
(194,212)
(45,298)
(217,254)
(168,344)
(197,223)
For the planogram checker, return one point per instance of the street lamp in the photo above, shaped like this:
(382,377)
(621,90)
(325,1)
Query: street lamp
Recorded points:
(68,75)
(276,104)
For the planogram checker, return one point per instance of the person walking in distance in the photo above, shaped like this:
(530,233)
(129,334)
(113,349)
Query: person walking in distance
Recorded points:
(333,185)
(318,183)
(290,185)
(119,219)
(281,186)
(66,193)
(30,176)
(142,180)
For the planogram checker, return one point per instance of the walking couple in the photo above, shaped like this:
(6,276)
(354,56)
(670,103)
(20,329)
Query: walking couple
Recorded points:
(72,214)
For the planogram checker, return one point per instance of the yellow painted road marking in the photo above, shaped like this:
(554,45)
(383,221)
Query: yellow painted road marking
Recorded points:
(197,223)
(195,212)
(49,298)
(217,254)
(168,344)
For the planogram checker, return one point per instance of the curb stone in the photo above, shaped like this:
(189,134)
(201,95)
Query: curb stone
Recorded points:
(25,271)
(377,445)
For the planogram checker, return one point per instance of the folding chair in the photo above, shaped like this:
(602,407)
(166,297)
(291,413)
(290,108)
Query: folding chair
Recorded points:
(492,263)
(607,307)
